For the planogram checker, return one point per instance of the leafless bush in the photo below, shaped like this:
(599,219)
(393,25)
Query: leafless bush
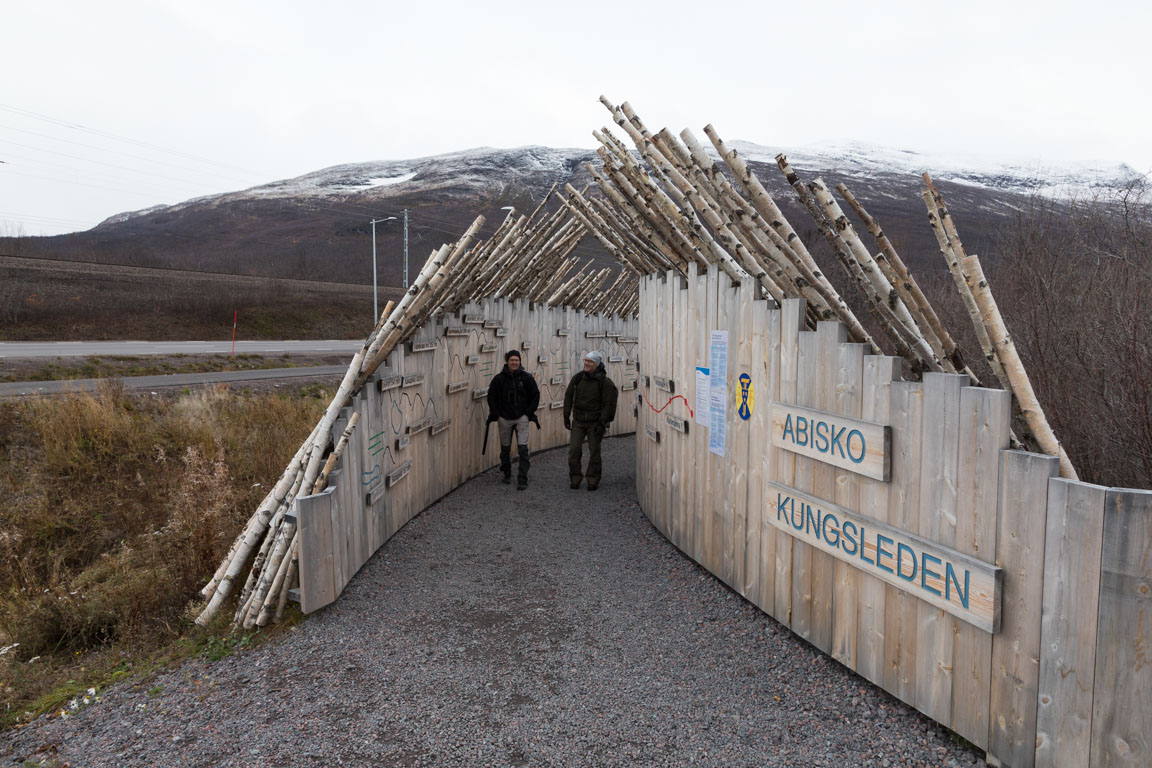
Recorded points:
(1074,282)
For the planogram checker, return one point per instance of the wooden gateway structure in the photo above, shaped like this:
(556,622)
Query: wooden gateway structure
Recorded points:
(880,505)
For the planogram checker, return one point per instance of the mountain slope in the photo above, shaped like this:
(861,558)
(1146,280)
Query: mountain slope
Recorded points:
(318,225)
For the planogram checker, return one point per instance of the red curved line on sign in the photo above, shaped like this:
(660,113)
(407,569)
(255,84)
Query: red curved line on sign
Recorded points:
(674,397)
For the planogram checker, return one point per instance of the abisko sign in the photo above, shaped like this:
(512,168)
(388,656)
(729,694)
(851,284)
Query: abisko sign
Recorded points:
(952,581)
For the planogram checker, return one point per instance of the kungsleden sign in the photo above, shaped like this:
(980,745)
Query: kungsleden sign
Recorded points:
(858,446)
(952,581)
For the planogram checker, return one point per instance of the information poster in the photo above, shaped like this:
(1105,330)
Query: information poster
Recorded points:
(703,393)
(718,392)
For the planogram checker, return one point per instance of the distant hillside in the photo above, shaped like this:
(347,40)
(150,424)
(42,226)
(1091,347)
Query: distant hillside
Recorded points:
(317,226)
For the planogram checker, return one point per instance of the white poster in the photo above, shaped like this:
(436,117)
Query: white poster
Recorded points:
(703,387)
(718,392)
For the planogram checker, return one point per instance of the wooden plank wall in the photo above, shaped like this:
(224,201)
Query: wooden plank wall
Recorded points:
(1063,682)
(343,526)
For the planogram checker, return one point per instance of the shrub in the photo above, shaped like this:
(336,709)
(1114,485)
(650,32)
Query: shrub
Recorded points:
(120,507)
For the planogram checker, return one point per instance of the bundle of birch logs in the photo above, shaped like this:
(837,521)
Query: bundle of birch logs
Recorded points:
(668,205)
(528,257)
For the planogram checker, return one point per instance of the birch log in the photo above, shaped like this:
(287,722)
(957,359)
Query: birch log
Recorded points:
(1002,342)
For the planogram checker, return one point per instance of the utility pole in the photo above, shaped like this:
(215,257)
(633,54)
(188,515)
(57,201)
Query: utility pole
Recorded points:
(375,301)
(405,249)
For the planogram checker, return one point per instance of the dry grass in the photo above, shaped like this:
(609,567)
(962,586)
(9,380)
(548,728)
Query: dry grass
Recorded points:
(118,509)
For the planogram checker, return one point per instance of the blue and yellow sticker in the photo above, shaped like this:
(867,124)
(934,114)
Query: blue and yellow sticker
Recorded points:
(747,397)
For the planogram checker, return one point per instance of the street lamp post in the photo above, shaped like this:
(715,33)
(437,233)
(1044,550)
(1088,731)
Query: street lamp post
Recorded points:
(375,303)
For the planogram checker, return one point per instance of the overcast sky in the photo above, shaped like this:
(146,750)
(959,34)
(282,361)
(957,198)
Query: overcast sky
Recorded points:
(124,104)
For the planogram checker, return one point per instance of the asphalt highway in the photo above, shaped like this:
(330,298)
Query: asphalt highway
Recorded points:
(26,349)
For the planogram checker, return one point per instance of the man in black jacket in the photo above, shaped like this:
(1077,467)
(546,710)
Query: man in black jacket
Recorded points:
(589,407)
(512,400)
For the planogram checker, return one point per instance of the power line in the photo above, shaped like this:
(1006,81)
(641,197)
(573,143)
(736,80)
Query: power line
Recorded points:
(125,139)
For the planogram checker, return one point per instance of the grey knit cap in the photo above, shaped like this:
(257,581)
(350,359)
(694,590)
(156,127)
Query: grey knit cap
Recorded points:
(595,357)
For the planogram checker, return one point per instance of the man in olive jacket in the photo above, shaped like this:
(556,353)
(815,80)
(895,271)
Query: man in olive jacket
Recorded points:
(512,401)
(589,407)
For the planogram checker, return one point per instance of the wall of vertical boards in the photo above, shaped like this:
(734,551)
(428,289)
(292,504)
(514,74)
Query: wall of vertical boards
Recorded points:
(422,425)
(888,523)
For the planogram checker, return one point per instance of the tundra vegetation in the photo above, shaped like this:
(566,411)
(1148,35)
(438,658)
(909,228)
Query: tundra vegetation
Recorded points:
(118,508)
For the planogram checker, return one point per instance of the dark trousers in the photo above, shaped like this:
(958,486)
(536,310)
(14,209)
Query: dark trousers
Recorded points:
(594,433)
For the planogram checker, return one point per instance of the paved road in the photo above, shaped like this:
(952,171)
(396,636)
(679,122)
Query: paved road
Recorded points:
(18,388)
(25,349)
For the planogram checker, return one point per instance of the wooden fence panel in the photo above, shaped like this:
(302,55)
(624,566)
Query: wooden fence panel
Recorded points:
(879,373)
(985,417)
(900,608)
(314,522)
(1072,550)
(1123,680)
(849,389)
(791,321)
(939,445)
(824,383)
(766,362)
(1021,508)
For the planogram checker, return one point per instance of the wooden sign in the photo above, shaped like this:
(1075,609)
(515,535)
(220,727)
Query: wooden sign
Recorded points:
(479,394)
(440,426)
(594,334)
(501,332)
(961,585)
(858,446)
(557,379)
(413,380)
(419,426)
(542,359)
(398,474)
(471,359)
(423,346)
(491,323)
(402,442)
(457,331)
(374,494)
(629,361)
(628,340)
(665,384)
(680,425)
(616,359)
(653,434)
(487,347)
(612,334)
(457,386)
(525,345)
(628,385)
(390,382)
(555,404)
(473,319)
(561,331)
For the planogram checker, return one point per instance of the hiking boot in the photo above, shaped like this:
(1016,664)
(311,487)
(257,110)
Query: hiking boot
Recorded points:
(592,487)
(521,485)
(506,479)
(575,485)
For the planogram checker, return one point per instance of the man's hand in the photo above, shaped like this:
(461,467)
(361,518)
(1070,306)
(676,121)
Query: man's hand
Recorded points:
(568,423)
(535,421)
(492,417)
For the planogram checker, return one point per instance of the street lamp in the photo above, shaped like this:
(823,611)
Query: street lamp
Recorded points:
(375,306)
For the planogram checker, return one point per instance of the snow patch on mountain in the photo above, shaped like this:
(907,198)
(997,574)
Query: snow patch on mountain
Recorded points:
(1017,175)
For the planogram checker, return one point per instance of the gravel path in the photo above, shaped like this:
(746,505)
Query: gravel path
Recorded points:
(548,627)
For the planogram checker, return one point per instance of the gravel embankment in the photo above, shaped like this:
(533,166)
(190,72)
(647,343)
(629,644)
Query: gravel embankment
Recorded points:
(545,627)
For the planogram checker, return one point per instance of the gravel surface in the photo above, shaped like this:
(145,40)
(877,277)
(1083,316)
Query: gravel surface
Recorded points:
(544,627)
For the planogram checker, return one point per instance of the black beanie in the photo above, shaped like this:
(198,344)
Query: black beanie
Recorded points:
(510,353)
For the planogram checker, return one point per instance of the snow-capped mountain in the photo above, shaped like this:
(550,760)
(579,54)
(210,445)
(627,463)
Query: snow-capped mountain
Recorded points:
(318,225)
